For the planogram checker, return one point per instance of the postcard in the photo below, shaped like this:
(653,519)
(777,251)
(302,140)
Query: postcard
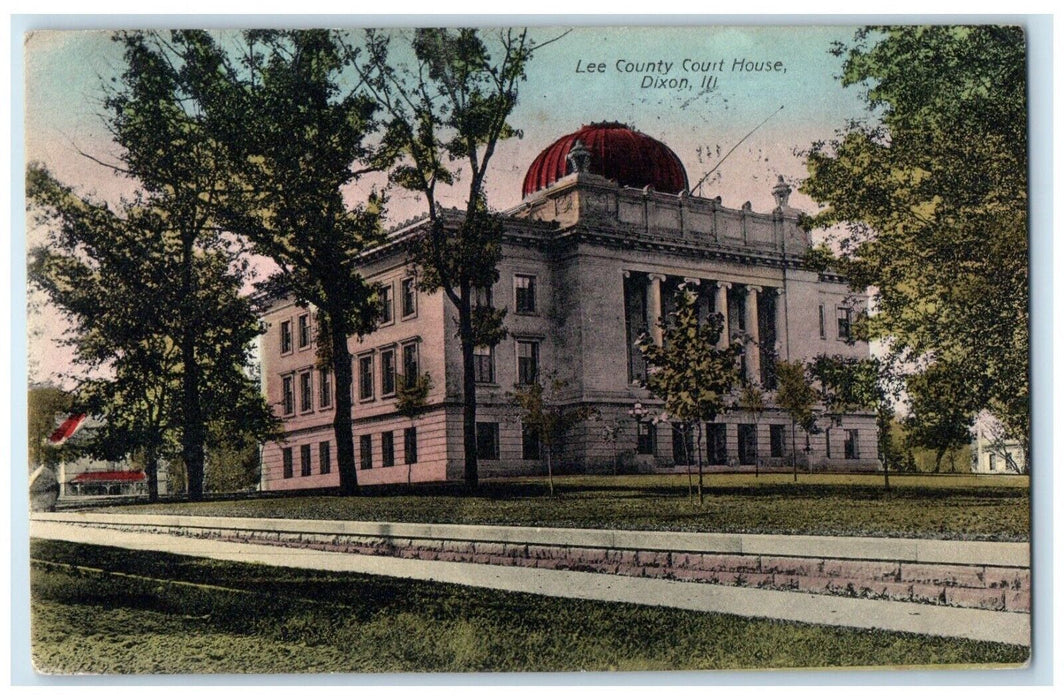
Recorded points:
(528,349)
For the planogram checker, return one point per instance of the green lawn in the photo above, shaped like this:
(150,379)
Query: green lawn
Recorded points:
(260,619)
(953,507)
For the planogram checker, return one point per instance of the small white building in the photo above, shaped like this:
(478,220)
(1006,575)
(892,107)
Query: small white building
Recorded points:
(88,477)
(992,452)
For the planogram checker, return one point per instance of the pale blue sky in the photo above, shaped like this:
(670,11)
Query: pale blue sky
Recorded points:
(65,71)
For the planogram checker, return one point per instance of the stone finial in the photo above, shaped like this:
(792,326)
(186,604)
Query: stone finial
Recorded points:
(579,157)
(781,192)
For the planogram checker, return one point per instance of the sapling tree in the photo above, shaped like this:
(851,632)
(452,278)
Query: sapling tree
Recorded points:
(543,410)
(751,399)
(411,397)
(796,396)
(688,372)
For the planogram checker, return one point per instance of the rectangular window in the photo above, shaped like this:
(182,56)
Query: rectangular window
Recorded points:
(827,442)
(387,449)
(365,450)
(304,460)
(306,393)
(823,324)
(747,443)
(849,448)
(524,294)
(288,395)
(304,331)
(410,445)
(527,361)
(717,443)
(484,364)
(387,305)
(993,462)
(324,388)
(365,377)
(529,443)
(487,440)
(645,438)
(410,363)
(388,372)
(324,457)
(775,436)
(408,289)
(286,336)
(286,462)
(843,314)
(683,444)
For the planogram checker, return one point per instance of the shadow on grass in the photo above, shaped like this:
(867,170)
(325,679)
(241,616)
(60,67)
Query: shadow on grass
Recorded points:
(266,619)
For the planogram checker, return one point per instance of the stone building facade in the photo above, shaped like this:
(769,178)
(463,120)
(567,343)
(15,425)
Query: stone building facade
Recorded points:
(589,263)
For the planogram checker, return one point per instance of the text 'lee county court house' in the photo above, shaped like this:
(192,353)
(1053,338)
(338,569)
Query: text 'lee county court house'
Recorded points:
(591,259)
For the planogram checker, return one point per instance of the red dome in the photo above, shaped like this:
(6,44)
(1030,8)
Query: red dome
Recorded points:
(617,152)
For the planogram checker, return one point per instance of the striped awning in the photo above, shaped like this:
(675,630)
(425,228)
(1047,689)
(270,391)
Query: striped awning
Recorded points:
(108,477)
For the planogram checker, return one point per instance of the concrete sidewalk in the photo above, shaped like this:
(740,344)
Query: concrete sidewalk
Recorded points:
(984,625)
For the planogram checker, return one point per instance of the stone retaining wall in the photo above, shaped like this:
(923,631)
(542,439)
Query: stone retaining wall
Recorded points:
(984,575)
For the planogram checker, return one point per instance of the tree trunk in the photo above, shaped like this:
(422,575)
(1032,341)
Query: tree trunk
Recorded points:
(193,432)
(342,427)
(151,470)
(469,390)
(687,460)
(550,472)
(698,456)
(794,448)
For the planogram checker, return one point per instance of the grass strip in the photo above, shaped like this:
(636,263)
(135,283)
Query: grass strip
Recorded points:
(257,619)
(942,507)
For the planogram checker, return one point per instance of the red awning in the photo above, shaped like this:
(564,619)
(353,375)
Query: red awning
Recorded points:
(110,477)
(70,426)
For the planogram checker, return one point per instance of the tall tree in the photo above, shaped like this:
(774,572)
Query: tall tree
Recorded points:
(449,111)
(931,191)
(687,371)
(166,152)
(295,142)
(117,277)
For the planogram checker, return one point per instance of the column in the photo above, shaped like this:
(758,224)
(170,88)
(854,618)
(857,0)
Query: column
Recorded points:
(720,306)
(781,324)
(654,306)
(753,351)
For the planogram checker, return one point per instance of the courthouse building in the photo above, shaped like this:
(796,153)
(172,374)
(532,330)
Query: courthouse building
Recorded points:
(606,232)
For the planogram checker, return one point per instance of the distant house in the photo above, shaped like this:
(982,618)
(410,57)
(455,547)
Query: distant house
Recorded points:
(992,452)
(87,477)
